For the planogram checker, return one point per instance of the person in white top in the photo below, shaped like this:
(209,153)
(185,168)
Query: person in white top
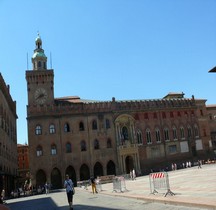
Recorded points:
(68,184)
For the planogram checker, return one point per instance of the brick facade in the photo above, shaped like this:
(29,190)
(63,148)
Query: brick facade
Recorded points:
(8,139)
(84,138)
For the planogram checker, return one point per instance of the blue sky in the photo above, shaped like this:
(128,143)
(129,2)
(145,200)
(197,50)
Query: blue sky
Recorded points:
(127,49)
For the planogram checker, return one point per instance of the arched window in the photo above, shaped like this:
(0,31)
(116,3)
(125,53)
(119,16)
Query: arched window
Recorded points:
(83,145)
(96,144)
(124,133)
(39,64)
(166,134)
(182,135)
(68,147)
(189,132)
(157,135)
(107,123)
(196,131)
(109,143)
(38,130)
(53,149)
(139,137)
(39,151)
(52,129)
(81,126)
(175,137)
(66,128)
(148,136)
(94,125)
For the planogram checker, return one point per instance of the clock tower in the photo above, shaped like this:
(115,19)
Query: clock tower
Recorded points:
(40,80)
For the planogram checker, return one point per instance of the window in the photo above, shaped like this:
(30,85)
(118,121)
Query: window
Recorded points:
(109,143)
(172,149)
(39,151)
(38,130)
(53,149)
(83,145)
(157,135)
(107,123)
(179,114)
(148,136)
(139,137)
(189,132)
(155,115)
(94,125)
(52,129)
(163,115)
(96,144)
(66,128)
(81,126)
(196,131)
(124,133)
(182,135)
(39,63)
(175,133)
(166,134)
(171,114)
(68,148)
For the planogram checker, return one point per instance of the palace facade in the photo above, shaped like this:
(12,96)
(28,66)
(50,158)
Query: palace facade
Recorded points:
(8,139)
(83,138)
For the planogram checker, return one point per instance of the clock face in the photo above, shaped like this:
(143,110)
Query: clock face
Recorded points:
(40,96)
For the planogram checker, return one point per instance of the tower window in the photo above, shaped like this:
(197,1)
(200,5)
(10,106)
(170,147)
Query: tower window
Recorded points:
(39,151)
(38,130)
(39,64)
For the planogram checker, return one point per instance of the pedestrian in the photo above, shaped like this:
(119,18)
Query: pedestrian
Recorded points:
(134,174)
(68,184)
(199,164)
(3,196)
(93,184)
(131,175)
(46,186)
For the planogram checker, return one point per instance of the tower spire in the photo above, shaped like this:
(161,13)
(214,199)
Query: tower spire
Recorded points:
(39,59)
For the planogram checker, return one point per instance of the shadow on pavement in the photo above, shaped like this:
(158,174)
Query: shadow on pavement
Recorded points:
(48,204)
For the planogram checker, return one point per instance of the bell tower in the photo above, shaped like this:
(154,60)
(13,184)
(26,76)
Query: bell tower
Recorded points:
(40,80)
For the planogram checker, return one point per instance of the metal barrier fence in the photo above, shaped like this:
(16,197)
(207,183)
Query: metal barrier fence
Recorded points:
(98,185)
(119,184)
(160,181)
(83,184)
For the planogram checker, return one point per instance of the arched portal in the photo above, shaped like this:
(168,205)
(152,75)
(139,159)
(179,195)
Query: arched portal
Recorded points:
(111,170)
(56,179)
(98,169)
(40,178)
(84,172)
(72,174)
(129,164)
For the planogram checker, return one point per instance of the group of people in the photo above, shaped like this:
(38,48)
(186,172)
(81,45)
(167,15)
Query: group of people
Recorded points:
(132,174)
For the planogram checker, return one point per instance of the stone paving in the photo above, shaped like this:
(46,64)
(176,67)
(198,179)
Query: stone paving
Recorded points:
(192,187)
